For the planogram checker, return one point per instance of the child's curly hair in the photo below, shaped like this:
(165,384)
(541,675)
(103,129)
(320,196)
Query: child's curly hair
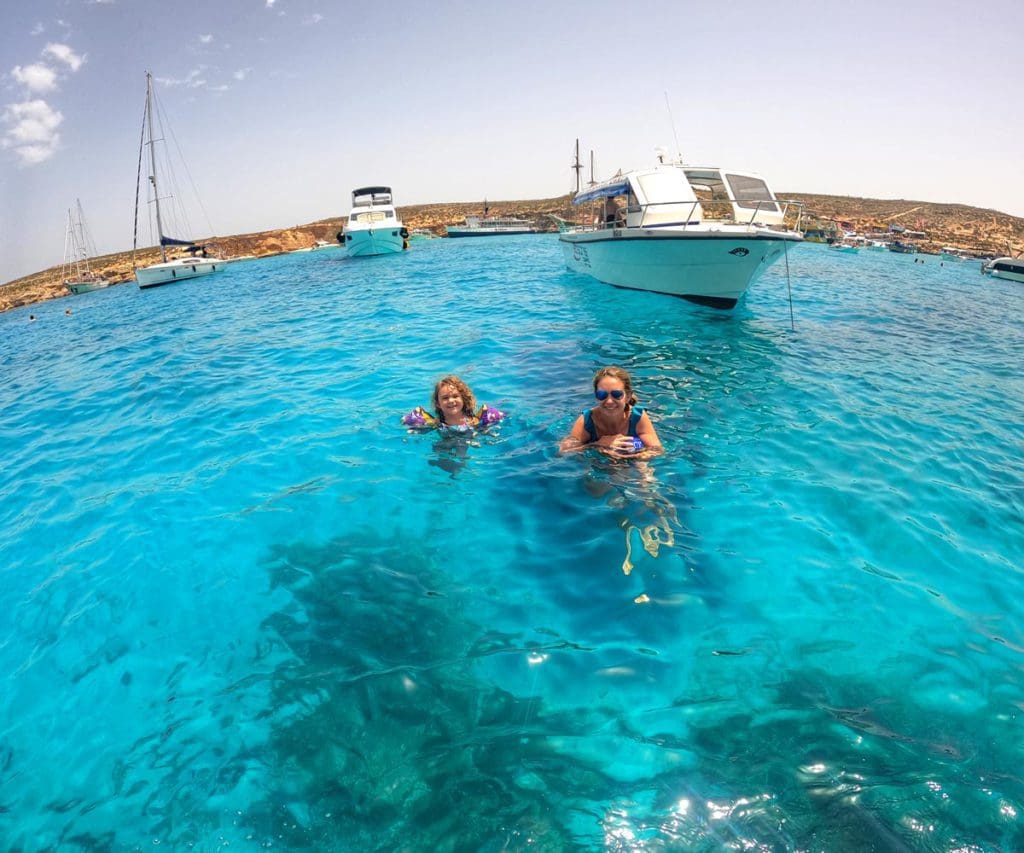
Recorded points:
(468,400)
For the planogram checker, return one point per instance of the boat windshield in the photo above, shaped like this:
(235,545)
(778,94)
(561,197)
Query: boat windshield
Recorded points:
(370,216)
(751,193)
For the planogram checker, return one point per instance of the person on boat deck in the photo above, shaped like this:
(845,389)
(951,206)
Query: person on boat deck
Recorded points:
(612,215)
(615,422)
(454,403)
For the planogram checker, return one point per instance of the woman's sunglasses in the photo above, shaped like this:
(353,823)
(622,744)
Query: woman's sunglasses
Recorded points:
(617,394)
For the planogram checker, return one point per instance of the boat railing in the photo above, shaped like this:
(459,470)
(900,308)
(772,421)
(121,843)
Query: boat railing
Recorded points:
(687,214)
(765,213)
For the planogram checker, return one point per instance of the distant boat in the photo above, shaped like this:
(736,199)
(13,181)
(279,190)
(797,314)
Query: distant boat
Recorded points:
(177,269)
(78,278)
(492,226)
(373,226)
(902,248)
(1011,269)
(319,244)
(951,253)
(422,234)
(667,240)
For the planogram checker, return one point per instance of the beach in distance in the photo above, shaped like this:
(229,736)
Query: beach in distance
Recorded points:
(978,230)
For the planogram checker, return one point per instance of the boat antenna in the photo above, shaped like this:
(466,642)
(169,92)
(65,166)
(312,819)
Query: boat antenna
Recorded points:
(675,135)
(592,181)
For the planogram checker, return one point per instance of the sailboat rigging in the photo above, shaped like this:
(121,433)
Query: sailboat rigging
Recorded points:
(168,269)
(78,278)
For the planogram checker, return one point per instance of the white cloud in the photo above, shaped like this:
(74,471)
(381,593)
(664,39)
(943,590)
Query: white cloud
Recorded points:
(242,73)
(315,18)
(65,54)
(192,80)
(206,39)
(36,77)
(37,29)
(270,4)
(33,131)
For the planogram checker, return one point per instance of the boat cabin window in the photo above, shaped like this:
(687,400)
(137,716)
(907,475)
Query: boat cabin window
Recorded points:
(751,193)
(665,187)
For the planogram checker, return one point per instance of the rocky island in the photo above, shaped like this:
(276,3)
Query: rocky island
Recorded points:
(980,231)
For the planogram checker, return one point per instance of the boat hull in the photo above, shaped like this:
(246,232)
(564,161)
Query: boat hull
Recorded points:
(704,267)
(1008,269)
(179,269)
(77,287)
(366,242)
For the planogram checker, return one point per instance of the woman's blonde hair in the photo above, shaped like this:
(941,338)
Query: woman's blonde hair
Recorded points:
(468,400)
(622,376)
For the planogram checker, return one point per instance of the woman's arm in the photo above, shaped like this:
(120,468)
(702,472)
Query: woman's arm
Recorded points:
(646,433)
(576,439)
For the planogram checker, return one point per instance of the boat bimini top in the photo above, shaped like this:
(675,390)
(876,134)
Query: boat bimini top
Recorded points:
(666,196)
(370,196)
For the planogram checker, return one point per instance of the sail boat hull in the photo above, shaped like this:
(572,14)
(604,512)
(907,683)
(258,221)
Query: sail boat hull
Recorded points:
(77,287)
(179,269)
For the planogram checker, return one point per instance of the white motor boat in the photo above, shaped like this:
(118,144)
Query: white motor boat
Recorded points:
(1012,269)
(666,239)
(373,226)
(492,226)
(168,270)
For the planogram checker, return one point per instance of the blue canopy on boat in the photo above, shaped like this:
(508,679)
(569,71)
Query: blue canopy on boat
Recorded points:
(174,241)
(608,190)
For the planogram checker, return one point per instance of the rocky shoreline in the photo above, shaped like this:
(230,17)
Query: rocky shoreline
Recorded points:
(980,231)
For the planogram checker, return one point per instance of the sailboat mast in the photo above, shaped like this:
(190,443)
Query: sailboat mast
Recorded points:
(81,252)
(577,166)
(152,163)
(68,247)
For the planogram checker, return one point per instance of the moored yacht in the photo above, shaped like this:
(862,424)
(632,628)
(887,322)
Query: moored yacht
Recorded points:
(666,239)
(1012,269)
(492,226)
(78,277)
(373,226)
(168,269)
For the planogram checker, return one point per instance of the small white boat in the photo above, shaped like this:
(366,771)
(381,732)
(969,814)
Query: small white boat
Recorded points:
(78,278)
(322,244)
(492,226)
(422,234)
(373,226)
(952,253)
(168,270)
(1011,269)
(666,240)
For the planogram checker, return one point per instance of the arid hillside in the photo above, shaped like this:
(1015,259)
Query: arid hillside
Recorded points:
(983,231)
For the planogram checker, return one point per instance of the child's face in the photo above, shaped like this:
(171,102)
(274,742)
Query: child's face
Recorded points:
(449,399)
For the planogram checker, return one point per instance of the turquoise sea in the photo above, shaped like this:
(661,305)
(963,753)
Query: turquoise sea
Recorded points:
(242,606)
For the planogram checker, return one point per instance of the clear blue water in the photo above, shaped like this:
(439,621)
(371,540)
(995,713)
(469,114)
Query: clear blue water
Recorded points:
(242,605)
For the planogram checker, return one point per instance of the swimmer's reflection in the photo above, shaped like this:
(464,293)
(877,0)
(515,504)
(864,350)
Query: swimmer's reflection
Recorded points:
(451,451)
(632,487)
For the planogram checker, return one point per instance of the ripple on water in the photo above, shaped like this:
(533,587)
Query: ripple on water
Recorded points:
(798,629)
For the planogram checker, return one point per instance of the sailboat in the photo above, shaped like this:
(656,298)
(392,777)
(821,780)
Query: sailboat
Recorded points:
(175,269)
(78,278)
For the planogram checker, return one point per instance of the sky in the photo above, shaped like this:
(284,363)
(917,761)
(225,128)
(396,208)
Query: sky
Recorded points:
(281,107)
